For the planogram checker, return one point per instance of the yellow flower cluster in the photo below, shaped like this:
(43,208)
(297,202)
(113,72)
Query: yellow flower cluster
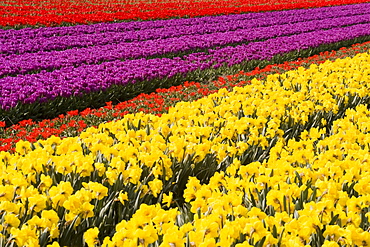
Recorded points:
(54,188)
(286,200)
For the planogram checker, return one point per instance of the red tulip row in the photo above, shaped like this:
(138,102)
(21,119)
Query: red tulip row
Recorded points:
(74,122)
(57,12)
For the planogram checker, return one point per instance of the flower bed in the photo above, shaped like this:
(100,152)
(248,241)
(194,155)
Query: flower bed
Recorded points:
(78,77)
(282,160)
(56,12)
(270,156)
(61,38)
(164,46)
(74,122)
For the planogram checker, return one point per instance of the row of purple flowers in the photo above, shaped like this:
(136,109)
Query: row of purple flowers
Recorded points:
(137,25)
(61,38)
(70,81)
(28,62)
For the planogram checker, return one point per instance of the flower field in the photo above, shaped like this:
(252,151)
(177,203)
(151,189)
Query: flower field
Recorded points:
(17,13)
(127,124)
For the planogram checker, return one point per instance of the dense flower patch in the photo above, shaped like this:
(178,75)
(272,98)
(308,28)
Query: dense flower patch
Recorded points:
(280,161)
(74,122)
(50,47)
(56,12)
(270,156)
(78,66)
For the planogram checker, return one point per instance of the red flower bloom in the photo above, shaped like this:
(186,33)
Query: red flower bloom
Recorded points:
(25,123)
(72,113)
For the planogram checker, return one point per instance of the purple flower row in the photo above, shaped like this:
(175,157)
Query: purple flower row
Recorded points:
(89,78)
(19,44)
(139,25)
(21,64)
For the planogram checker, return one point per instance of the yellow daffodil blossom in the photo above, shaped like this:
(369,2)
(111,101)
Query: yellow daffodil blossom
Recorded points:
(91,237)
(167,199)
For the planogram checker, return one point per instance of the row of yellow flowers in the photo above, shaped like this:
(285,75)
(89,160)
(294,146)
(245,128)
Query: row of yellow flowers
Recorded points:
(224,170)
(300,193)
